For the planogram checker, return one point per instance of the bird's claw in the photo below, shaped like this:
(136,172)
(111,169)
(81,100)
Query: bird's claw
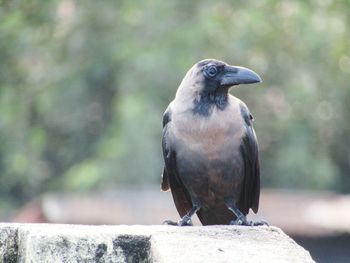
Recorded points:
(241,222)
(261,223)
(245,222)
(185,221)
(169,223)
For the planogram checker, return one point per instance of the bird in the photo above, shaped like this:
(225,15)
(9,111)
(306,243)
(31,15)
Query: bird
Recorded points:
(210,148)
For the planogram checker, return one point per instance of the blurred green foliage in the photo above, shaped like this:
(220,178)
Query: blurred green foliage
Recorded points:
(83,85)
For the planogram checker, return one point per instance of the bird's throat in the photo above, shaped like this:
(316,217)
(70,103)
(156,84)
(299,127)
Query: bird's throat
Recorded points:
(206,102)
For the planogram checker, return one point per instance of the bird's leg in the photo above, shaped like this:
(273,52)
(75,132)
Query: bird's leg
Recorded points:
(185,220)
(241,218)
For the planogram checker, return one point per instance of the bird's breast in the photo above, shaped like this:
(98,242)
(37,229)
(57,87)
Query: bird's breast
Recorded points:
(208,135)
(208,151)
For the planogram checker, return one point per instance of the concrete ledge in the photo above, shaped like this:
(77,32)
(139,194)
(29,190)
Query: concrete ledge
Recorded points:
(26,243)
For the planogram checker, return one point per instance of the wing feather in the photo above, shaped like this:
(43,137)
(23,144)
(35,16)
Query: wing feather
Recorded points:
(249,150)
(170,178)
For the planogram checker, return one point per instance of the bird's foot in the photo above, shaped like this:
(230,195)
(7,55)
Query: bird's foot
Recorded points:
(185,221)
(244,222)
(261,223)
(169,223)
(241,222)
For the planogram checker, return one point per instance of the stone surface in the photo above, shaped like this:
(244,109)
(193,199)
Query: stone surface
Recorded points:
(27,243)
(8,243)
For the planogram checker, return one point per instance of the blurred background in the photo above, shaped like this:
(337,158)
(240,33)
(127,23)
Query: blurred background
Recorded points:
(84,84)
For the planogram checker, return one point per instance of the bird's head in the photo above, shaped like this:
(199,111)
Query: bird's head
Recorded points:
(211,76)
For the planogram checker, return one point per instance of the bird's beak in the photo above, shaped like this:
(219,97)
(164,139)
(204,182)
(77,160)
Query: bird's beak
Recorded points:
(235,75)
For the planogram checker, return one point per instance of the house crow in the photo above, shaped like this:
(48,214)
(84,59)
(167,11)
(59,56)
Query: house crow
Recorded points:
(210,148)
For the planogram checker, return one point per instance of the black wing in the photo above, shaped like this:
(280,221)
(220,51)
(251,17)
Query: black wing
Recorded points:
(170,178)
(165,186)
(249,150)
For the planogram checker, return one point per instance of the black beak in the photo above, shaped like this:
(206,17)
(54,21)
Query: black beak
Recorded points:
(235,75)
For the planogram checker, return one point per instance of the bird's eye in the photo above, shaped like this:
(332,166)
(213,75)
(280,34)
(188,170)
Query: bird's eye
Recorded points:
(212,71)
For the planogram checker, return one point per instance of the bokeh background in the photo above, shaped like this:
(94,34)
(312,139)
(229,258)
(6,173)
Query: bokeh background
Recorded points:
(84,84)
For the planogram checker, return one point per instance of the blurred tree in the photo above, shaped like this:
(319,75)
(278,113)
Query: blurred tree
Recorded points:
(83,85)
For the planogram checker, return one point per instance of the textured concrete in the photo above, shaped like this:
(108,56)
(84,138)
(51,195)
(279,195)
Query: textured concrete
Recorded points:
(27,243)
(8,243)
